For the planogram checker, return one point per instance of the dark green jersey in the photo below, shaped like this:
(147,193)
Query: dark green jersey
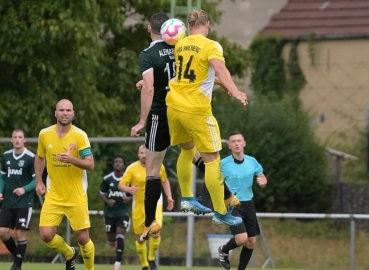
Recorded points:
(109,186)
(17,171)
(159,57)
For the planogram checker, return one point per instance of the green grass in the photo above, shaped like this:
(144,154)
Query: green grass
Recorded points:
(59,266)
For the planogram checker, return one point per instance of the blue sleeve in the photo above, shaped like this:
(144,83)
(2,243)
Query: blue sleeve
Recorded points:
(85,152)
(258,168)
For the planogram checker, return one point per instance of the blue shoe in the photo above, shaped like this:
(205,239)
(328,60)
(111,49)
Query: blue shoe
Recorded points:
(226,219)
(192,204)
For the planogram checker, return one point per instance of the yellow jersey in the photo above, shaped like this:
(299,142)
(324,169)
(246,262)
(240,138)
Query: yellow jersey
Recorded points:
(135,175)
(192,87)
(66,184)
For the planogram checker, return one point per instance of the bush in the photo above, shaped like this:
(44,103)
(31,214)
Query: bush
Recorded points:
(279,136)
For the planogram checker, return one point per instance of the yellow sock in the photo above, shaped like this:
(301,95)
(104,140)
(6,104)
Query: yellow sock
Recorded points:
(58,244)
(142,253)
(214,184)
(153,247)
(88,255)
(184,171)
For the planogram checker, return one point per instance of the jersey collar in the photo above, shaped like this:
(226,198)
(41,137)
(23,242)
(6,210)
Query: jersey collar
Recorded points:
(156,41)
(238,161)
(21,155)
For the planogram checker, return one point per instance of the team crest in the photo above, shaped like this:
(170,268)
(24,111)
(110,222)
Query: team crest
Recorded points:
(21,163)
(72,146)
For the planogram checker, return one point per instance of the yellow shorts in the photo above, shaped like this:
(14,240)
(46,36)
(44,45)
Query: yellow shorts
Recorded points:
(138,220)
(52,215)
(203,130)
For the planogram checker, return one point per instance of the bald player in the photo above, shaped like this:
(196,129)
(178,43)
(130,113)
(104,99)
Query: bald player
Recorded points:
(67,152)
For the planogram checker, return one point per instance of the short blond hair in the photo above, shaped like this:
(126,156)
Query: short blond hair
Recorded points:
(197,17)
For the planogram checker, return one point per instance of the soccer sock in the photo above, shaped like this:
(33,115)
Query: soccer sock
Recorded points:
(154,244)
(142,253)
(21,251)
(214,184)
(231,244)
(184,171)
(201,166)
(152,195)
(88,255)
(245,257)
(11,246)
(58,244)
(119,249)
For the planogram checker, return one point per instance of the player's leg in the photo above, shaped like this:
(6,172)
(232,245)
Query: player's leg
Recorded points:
(122,225)
(7,222)
(110,230)
(156,143)
(23,218)
(240,237)
(155,240)
(50,218)
(230,199)
(80,223)
(205,132)
(252,229)
(141,249)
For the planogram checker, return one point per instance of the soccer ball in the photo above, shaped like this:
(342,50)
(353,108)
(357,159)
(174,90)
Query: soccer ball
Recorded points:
(172,31)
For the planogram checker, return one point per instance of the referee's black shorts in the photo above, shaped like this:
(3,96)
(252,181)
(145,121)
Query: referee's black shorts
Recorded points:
(250,225)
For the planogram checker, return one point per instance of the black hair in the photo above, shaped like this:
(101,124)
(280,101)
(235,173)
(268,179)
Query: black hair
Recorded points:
(234,133)
(118,156)
(156,21)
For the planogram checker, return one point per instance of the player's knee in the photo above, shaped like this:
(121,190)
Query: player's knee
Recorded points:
(21,235)
(250,242)
(241,239)
(155,235)
(4,234)
(47,233)
(82,236)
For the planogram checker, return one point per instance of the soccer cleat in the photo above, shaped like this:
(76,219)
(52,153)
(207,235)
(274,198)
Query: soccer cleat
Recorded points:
(113,244)
(226,219)
(71,264)
(154,228)
(15,267)
(145,268)
(192,204)
(231,202)
(153,265)
(224,258)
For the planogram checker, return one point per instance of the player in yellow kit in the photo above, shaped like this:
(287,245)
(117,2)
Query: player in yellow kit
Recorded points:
(191,122)
(134,181)
(66,150)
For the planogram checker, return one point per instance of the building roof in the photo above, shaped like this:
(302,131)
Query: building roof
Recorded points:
(326,19)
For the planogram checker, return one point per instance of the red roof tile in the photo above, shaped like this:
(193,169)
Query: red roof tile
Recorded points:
(334,18)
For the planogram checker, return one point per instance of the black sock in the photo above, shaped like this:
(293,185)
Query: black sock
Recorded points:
(245,257)
(21,251)
(231,244)
(227,192)
(120,247)
(200,165)
(11,246)
(152,195)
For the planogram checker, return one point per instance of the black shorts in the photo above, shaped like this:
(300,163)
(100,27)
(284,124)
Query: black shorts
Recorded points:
(111,224)
(157,136)
(250,225)
(16,218)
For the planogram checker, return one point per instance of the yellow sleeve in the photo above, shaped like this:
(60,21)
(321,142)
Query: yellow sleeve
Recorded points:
(83,141)
(127,178)
(214,51)
(163,174)
(41,151)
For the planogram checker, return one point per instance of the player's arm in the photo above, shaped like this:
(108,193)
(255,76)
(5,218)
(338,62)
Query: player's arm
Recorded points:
(260,176)
(2,178)
(39,165)
(124,183)
(166,186)
(86,160)
(147,90)
(31,185)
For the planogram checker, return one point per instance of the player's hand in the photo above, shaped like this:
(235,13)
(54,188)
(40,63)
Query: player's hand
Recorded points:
(111,203)
(133,190)
(241,96)
(1,197)
(40,188)
(136,129)
(19,191)
(65,157)
(126,199)
(170,204)
(261,180)
(139,85)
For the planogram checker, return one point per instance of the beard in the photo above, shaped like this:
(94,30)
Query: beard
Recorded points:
(65,123)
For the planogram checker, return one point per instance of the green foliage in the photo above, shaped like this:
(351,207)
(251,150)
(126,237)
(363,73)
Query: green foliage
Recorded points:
(311,47)
(267,73)
(278,135)
(296,79)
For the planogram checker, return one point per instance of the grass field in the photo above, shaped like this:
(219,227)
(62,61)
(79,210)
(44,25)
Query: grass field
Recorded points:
(59,266)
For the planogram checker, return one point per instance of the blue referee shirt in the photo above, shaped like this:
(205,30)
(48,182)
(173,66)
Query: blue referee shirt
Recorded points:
(239,175)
